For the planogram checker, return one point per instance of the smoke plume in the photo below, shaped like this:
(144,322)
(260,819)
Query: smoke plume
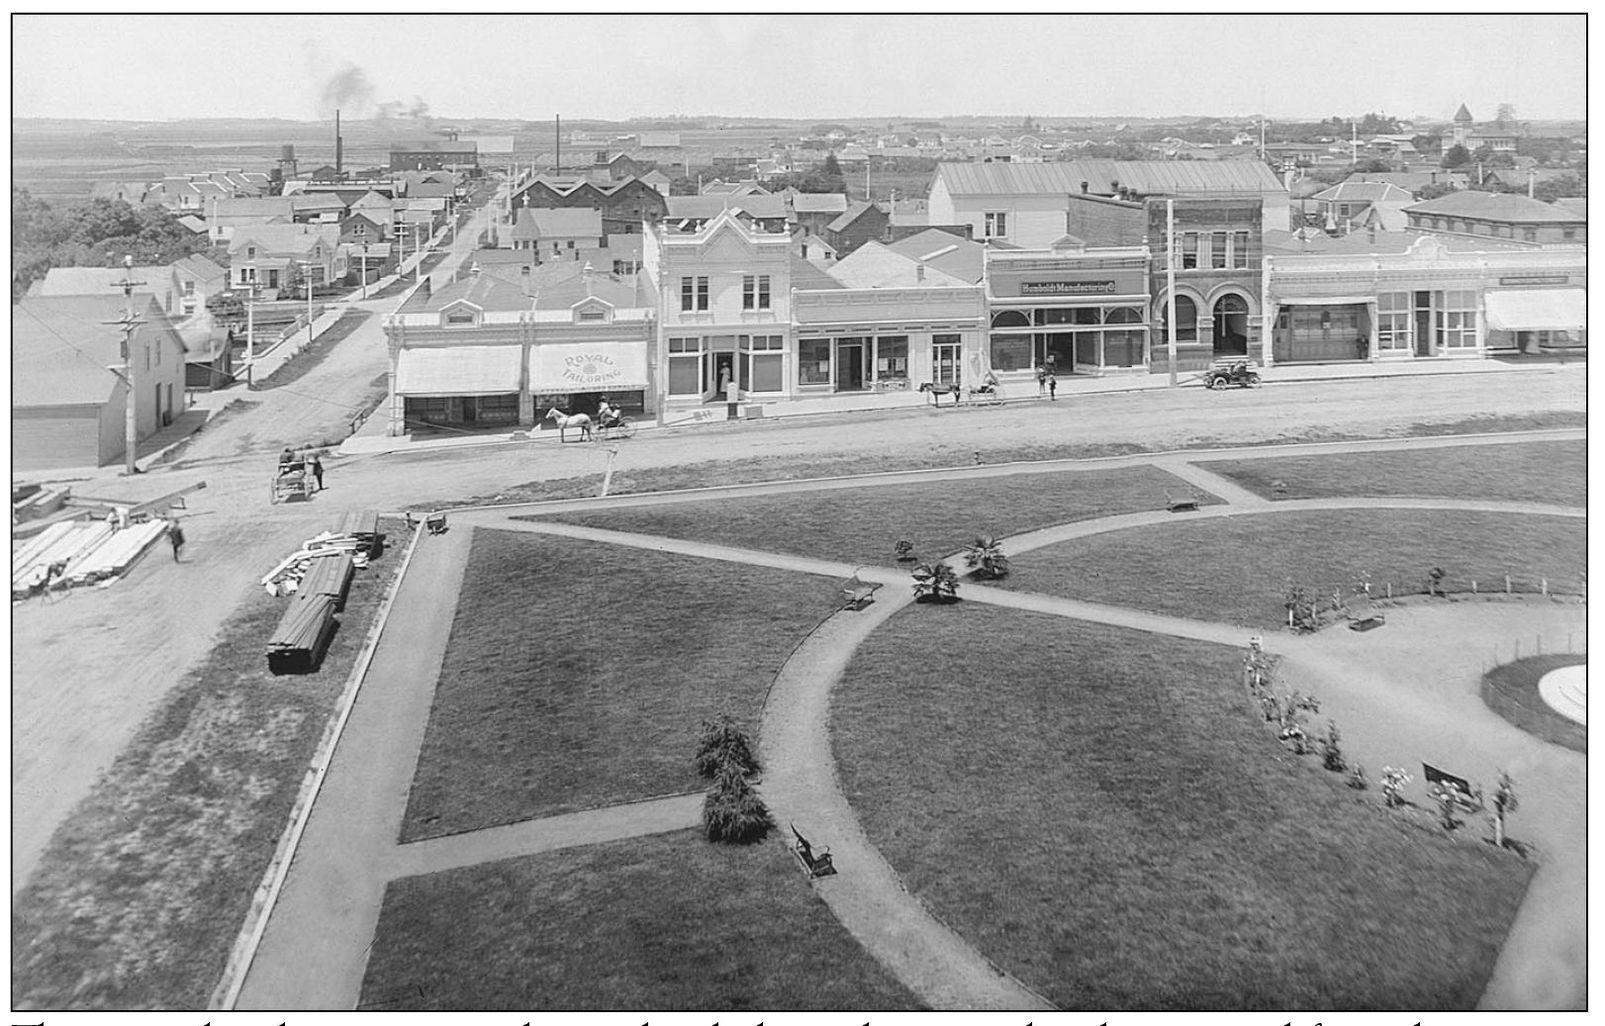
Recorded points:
(348,89)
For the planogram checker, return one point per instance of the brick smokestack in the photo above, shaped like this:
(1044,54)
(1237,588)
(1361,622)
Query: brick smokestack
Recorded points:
(339,145)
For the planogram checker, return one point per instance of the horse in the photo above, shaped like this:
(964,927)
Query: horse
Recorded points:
(939,389)
(564,422)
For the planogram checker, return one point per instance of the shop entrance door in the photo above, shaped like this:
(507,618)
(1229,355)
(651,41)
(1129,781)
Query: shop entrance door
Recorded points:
(849,366)
(945,363)
(1423,323)
(722,370)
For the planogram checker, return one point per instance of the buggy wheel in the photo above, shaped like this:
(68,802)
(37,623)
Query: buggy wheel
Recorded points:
(1253,380)
(1212,381)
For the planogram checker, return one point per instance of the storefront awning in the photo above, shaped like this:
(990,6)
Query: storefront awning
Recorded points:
(1537,309)
(458,370)
(1324,300)
(588,367)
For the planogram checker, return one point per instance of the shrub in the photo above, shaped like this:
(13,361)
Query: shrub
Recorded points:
(1290,720)
(1393,781)
(904,550)
(1357,778)
(723,743)
(733,813)
(1331,751)
(1300,607)
(935,583)
(985,559)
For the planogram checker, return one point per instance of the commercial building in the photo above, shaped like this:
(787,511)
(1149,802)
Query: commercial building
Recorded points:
(434,155)
(1498,215)
(1068,308)
(1427,302)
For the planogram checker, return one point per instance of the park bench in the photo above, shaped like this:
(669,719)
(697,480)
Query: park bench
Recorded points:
(814,864)
(1181,504)
(1458,789)
(858,593)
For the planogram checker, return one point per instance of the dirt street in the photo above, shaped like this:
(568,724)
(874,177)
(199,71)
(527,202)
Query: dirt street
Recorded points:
(87,668)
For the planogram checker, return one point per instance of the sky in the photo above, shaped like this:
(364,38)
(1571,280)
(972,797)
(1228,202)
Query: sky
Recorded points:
(619,66)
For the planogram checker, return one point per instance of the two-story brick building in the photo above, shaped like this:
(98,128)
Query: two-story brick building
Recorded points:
(1069,308)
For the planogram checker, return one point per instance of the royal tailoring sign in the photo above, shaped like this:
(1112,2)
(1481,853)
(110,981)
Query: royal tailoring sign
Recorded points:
(1067,288)
(588,368)
(1534,279)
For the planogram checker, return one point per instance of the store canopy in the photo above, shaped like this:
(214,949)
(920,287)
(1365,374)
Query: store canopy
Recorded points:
(1538,310)
(458,370)
(588,367)
(1325,300)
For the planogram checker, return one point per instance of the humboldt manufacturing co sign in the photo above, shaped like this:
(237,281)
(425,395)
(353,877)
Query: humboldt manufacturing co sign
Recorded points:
(1067,288)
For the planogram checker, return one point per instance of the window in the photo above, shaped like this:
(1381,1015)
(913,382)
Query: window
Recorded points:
(749,292)
(1393,322)
(1529,234)
(625,267)
(570,243)
(766,362)
(996,225)
(685,366)
(1189,250)
(1457,319)
(1569,234)
(763,291)
(460,315)
(813,361)
(189,288)
(250,252)
(891,358)
(592,315)
(1186,321)
(1217,250)
(687,293)
(702,293)
(1239,249)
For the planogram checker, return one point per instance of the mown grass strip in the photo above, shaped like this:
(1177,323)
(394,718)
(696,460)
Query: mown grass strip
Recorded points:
(139,897)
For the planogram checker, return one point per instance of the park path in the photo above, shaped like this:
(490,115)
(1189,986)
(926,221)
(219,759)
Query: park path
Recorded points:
(314,952)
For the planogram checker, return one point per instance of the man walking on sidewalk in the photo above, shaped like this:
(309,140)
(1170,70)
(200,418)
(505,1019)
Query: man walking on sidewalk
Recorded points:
(175,535)
(317,470)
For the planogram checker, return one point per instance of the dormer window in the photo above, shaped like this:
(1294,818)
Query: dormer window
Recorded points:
(460,315)
(593,315)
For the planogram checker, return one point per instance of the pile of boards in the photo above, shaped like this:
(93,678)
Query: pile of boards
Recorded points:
(318,575)
(77,552)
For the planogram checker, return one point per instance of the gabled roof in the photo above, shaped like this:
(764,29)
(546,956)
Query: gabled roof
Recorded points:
(805,275)
(317,201)
(602,284)
(1145,177)
(1462,114)
(819,203)
(961,258)
(701,208)
(98,281)
(1575,205)
(255,206)
(1497,206)
(200,266)
(557,222)
(874,266)
(1364,192)
(193,223)
(853,213)
(371,199)
(278,239)
(61,346)
(483,291)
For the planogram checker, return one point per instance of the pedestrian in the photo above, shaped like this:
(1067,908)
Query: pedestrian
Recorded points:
(285,459)
(175,535)
(1053,387)
(317,470)
(1042,378)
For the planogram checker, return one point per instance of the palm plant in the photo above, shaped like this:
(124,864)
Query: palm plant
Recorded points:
(935,583)
(985,559)
(904,550)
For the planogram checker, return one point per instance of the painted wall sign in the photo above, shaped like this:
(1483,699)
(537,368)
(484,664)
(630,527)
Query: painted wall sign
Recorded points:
(1534,279)
(1067,288)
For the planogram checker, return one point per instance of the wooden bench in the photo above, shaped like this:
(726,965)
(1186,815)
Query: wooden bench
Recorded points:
(1184,504)
(1458,789)
(858,593)
(815,864)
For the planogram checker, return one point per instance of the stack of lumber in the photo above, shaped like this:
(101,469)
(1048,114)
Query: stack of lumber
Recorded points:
(62,544)
(329,574)
(298,643)
(363,525)
(116,554)
(285,578)
(32,501)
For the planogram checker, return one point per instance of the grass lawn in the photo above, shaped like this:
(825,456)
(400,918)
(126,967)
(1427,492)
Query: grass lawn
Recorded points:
(1511,691)
(1552,472)
(861,525)
(1234,570)
(668,921)
(578,674)
(308,358)
(1102,813)
(137,900)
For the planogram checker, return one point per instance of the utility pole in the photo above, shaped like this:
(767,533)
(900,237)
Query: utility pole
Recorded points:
(306,281)
(250,331)
(128,323)
(1170,286)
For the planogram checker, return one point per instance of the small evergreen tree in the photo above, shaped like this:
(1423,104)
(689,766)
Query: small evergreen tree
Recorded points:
(733,813)
(723,743)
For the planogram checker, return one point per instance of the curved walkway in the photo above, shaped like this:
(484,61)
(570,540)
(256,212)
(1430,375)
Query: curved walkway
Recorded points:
(315,949)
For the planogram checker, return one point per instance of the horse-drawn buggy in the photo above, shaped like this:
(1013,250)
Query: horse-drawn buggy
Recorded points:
(608,424)
(294,479)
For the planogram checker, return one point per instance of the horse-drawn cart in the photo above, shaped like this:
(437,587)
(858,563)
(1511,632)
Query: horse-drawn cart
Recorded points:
(293,481)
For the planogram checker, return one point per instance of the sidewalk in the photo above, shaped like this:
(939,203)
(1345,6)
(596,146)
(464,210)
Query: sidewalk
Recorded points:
(371,439)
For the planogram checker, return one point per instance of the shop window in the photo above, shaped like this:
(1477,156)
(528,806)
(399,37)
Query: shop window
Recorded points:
(813,361)
(767,372)
(1057,352)
(1457,319)
(1053,315)
(1011,352)
(1123,347)
(685,366)
(1393,322)
(891,358)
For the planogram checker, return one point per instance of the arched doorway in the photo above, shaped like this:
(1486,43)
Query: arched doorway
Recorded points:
(1231,326)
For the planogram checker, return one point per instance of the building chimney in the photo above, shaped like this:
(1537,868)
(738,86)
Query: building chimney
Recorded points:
(1532,182)
(1085,186)
(919,272)
(586,273)
(339,146)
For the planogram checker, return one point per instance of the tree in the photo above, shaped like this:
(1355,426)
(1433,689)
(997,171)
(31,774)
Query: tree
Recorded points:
(1455,156)
(1505,117)
(1433,190)
(1426,144)
(935,583)
(723,743)
(1560,188)
(1372,165)
(1504,801)
(985,559)
(733,812)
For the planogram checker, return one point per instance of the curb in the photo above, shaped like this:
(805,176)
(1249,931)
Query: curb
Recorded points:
(227,991)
